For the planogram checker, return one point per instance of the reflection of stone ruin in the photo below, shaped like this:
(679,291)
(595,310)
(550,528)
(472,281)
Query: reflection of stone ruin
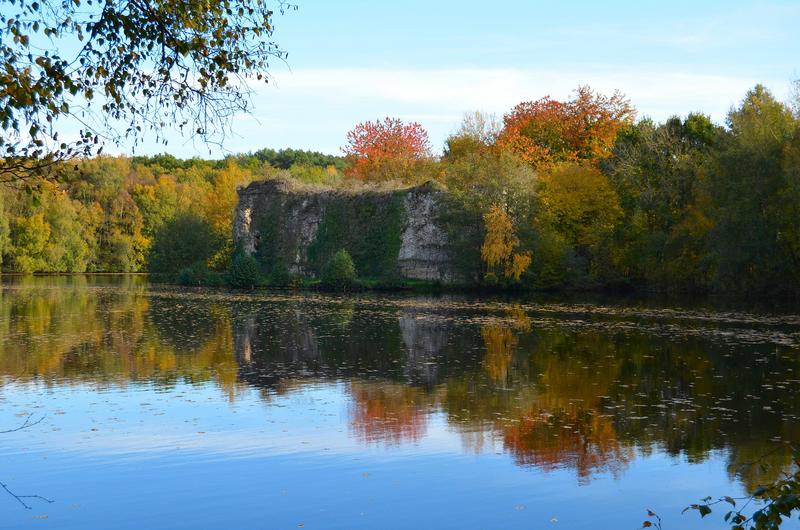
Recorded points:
(382,411)
(297,341)
(293,341)
(244,338)
(424,342)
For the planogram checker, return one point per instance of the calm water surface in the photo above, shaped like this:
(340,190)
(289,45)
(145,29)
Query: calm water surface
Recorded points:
(168,408)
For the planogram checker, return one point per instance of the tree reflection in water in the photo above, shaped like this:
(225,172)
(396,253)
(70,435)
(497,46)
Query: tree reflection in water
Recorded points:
(586,388)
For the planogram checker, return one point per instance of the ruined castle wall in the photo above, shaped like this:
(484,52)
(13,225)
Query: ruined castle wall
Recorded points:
(388,233)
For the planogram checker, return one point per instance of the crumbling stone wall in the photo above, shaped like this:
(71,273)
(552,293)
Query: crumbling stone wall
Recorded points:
(389,233)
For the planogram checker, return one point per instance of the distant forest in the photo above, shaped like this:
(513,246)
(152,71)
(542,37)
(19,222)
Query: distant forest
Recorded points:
(575,194)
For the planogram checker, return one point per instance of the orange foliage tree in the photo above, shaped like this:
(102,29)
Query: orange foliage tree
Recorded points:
(547,131)
(386,149)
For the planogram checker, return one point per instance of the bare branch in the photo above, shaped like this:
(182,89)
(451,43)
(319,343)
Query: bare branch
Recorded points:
(20,498)
(26,424)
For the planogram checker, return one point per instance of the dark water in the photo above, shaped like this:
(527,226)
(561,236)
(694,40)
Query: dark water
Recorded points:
(167,408)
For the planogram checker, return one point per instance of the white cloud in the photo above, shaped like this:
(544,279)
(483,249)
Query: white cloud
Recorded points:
(314,108)
(465,89)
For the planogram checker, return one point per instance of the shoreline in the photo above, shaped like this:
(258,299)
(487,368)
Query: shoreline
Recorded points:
(764,301)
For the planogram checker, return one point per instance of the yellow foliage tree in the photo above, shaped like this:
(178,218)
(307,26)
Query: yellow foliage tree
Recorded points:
(579,202)
(500,242)
(218,206)
(30,235)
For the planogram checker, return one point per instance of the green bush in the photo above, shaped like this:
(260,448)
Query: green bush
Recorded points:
(279,275)
(339,272)
(187,276)
(243,272)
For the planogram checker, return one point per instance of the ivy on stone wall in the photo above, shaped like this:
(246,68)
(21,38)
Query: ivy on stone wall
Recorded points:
(368,226)
(273,245)
(465,231)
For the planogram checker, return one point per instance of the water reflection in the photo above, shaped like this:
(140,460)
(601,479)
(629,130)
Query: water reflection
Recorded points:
(586,388)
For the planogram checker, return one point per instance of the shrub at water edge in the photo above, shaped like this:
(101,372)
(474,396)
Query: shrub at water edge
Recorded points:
(243,272)
(339,272)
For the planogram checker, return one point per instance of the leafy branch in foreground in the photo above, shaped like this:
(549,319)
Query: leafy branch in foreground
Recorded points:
(113,69)
(776,501)
(654,521)
(780,500)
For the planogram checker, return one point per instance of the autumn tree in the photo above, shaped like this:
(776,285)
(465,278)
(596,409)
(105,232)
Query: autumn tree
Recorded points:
(29,237)
(48,233)
(477,180)
(478,132)
(218,206)
(500,250)
(578,208)
(580,202)
(114,70)
(158,202)
(4,230)
(547,131)
(660,174)
(387,149)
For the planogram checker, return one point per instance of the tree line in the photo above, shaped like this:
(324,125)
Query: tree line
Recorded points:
(580,194)
(566,194)
(135,214)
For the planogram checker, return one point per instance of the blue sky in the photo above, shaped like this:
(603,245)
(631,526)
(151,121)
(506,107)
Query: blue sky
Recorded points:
(431,61)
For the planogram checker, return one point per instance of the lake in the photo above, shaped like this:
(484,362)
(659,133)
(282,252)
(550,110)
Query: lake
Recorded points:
(162,407)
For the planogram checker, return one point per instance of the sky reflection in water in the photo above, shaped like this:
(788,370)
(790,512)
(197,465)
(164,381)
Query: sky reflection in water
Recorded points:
(174,409)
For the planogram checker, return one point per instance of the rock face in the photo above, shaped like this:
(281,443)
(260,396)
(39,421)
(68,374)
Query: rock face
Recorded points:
(388,233)
(425,251)
(280,207)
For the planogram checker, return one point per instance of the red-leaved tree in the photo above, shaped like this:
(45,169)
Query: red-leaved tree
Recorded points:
(387,149)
